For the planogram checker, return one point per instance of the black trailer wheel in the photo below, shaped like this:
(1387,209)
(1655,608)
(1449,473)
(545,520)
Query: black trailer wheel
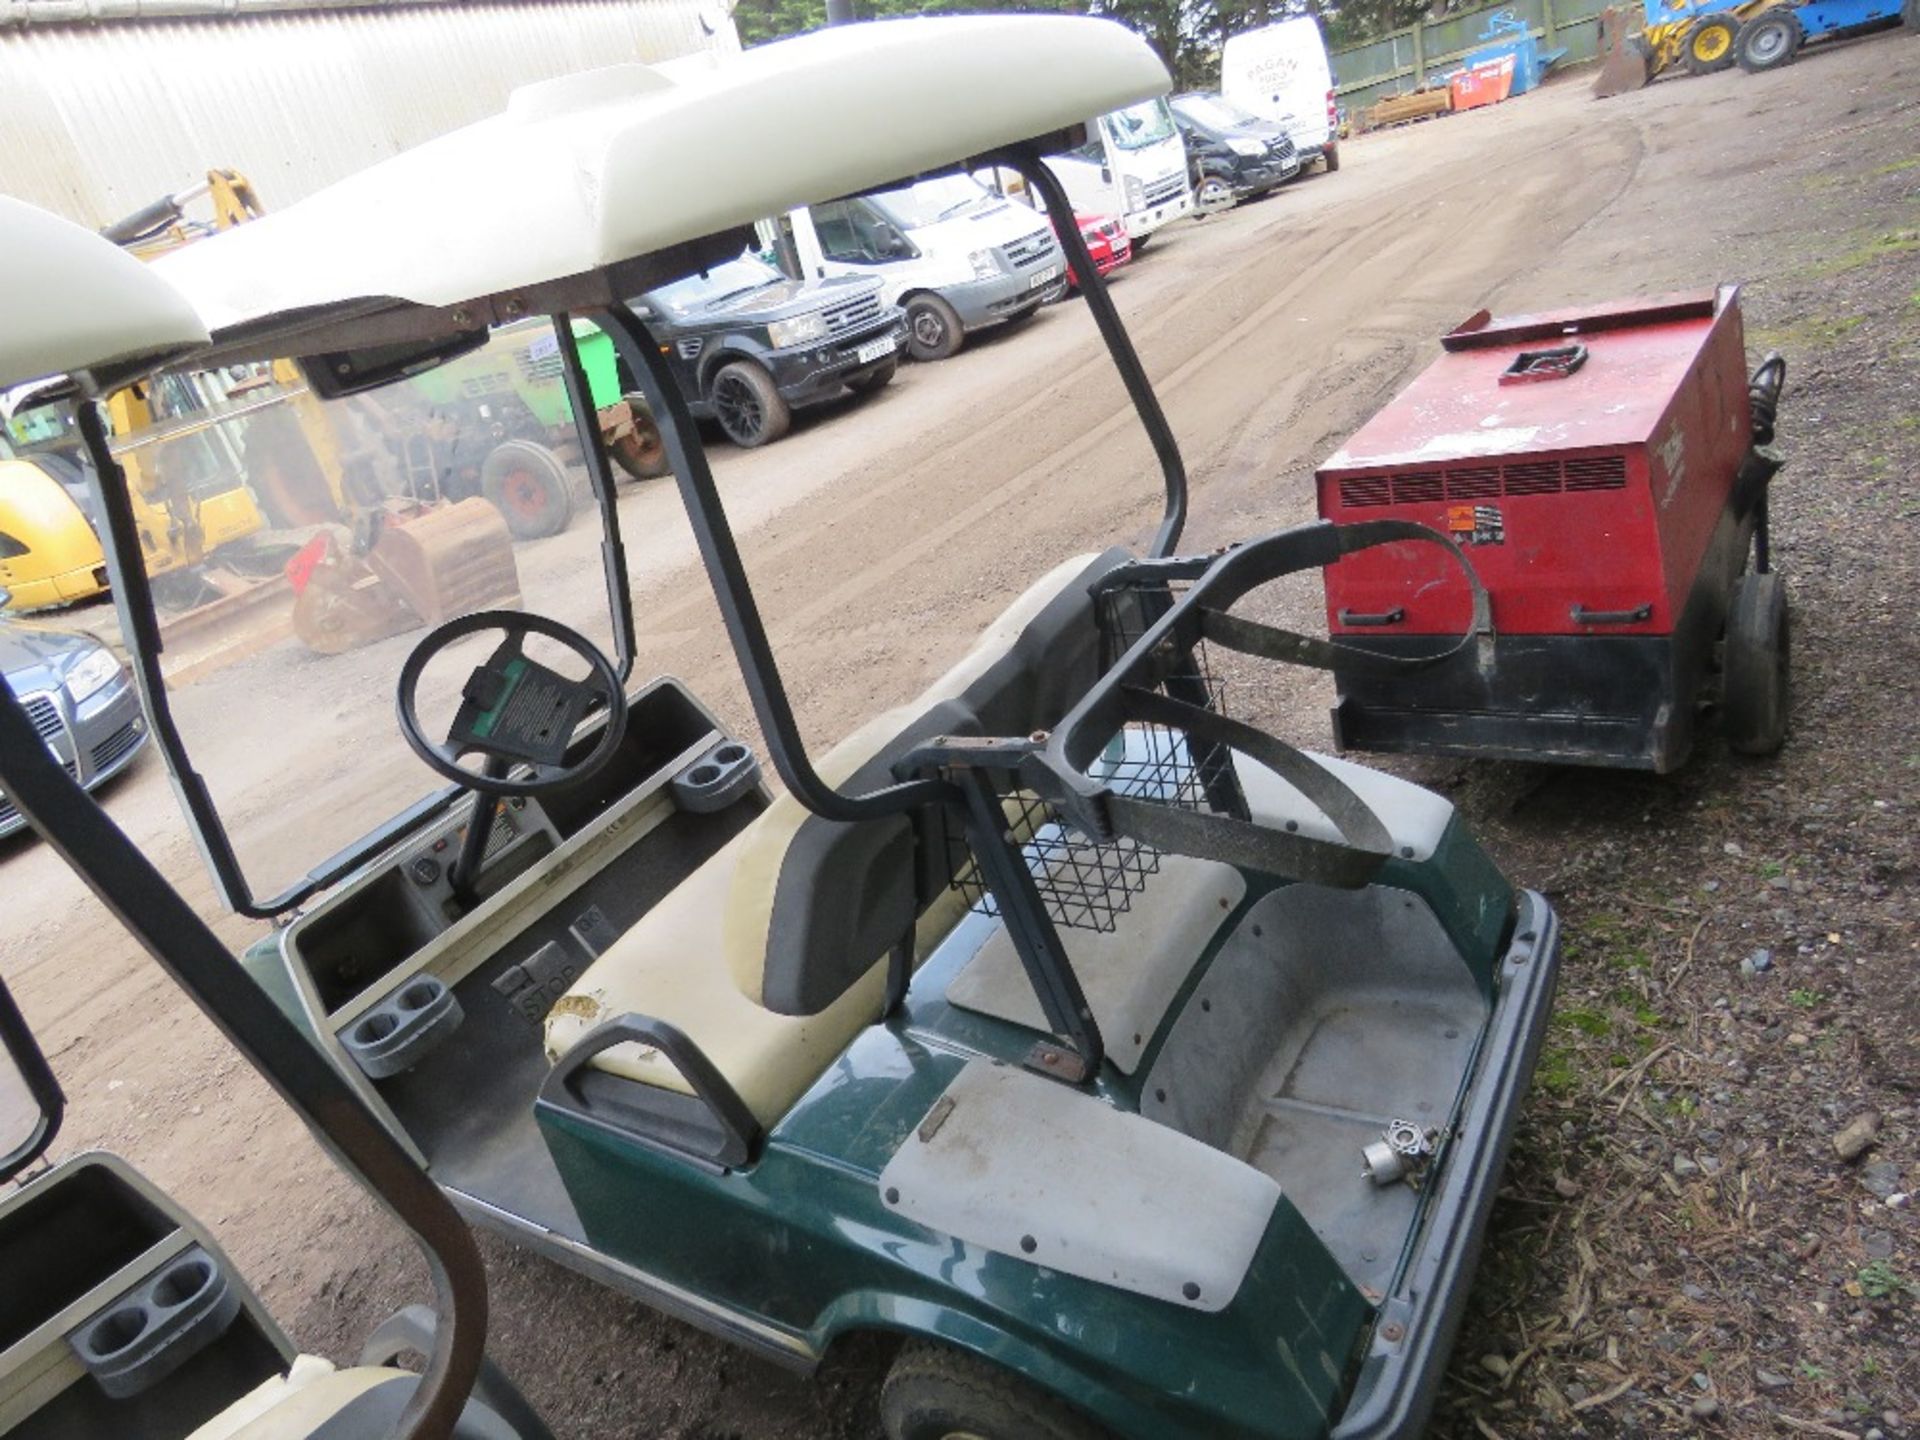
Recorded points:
(933,328)
(1709,45)
(748,405)
(1330,158)
(528,486)
(877,378)
(1769,40)
(1756,666)
(936,1393)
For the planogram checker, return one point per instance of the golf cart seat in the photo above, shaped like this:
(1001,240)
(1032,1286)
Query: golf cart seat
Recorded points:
(771,956)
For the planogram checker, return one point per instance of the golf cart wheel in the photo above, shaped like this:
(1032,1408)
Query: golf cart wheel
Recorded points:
(748,406)
(1769,40)
(1756,680)
(528,486)
(642,452)
(1330,158)
(936,1393)
(933,328)
(1212,194)
(1709,45)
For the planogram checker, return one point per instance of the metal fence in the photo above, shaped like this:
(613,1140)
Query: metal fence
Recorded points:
(1422,53)
(97,120)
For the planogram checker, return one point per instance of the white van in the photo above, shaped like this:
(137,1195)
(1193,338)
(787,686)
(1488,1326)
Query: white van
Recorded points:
(953,254)
(1282,72)
(1133,165)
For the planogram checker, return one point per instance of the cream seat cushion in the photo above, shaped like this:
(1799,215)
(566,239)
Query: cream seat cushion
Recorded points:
(294,1405)
(694,959)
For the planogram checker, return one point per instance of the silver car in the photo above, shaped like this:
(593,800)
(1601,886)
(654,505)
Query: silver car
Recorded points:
(79,696)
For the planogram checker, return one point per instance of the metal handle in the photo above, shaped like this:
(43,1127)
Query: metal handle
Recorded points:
(713,1126)
(1361,617)
(1583,616)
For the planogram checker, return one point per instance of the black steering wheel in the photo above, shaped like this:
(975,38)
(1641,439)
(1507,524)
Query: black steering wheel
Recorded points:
(513,710)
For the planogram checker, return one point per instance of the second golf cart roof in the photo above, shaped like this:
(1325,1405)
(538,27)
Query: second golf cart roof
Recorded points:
(75,302)
(591,170)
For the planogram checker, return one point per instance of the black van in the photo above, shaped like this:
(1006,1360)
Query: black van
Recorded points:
(747,344)
(1233,153)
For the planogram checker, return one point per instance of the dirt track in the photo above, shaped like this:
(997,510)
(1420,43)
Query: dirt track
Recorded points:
(881,536)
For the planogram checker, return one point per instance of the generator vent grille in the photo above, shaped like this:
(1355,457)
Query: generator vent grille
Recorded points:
(1485,482)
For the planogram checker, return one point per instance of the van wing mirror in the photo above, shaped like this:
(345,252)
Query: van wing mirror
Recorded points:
(31,1105)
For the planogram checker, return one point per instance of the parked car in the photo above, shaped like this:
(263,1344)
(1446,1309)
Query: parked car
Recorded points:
(748,344)
(80,698)
(955,255)
(1235,153)
(1282,71)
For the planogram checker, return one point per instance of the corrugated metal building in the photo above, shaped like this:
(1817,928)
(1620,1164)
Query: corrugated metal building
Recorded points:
(100,116)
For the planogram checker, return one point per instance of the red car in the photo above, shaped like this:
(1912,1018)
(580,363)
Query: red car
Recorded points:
(1107,242)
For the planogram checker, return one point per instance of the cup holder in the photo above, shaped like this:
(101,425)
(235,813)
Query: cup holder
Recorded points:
(717,778)
(403,1028)
(117,1331)
(156,1327)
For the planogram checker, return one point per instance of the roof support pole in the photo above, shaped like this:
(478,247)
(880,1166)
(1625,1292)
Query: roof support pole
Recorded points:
(1027,161)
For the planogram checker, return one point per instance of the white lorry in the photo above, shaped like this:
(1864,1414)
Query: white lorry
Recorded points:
(1134,165)
(951,253)
(1282,72)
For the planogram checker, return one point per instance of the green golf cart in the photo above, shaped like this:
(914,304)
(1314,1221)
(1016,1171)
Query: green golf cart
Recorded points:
(1140,1073)
(120,1315)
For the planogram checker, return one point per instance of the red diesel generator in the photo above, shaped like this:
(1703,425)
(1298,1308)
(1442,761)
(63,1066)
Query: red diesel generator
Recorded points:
(1605,471)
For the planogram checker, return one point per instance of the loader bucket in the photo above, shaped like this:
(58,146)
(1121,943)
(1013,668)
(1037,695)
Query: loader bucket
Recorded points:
(421,570)
(452,560)
(1623,63)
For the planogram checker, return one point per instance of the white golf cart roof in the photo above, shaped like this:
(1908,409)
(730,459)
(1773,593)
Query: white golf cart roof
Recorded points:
(589,170)
(73,302)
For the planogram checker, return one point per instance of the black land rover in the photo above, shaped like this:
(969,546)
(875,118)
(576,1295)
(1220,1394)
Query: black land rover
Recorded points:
(748,344)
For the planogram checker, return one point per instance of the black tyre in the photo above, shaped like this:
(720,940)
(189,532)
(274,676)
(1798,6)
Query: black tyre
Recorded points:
(1331,158)
(935,1393)
(1769,40)
(1756,666)
(528,486)
(748,405)
(933,328)
(877,378)
(1709,45)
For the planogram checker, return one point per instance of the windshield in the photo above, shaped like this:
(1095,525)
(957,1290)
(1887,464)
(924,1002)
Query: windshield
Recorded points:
(722,282)
(298,549)
(931,201)
(1139,126)
(1214,112)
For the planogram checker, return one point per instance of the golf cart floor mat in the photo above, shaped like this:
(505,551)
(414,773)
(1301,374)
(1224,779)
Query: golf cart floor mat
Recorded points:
(1326,1016)
(1131,974)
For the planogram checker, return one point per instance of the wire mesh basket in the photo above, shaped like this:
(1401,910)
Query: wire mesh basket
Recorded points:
(1083,882)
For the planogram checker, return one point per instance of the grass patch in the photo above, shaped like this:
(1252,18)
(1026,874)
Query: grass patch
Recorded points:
(1556,1073)
(1870,251)
(1587,1022)
(1808,333)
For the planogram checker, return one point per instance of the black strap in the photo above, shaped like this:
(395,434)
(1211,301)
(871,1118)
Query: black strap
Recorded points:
(1348,863)
(1270,642)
